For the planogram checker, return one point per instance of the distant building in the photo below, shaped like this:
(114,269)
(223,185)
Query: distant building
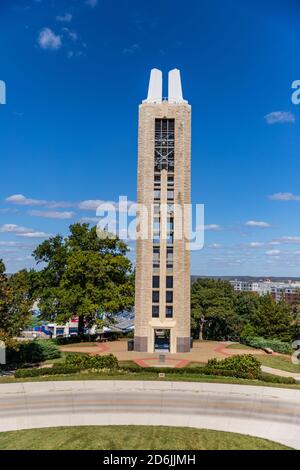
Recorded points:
(288,291)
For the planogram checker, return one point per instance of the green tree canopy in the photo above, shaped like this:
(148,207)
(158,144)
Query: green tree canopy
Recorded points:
(83,275)
(15,303)
(272,319)
(218,312)
(212,310)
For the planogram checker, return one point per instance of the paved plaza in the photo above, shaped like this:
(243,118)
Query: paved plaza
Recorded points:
(201,352)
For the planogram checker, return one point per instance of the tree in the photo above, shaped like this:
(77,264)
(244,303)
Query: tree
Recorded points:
(15,303)
(84,276)
(246,304)
(212,310)
(272,319)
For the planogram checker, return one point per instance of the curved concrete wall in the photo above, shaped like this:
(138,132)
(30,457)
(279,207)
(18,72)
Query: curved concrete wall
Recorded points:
(271,413)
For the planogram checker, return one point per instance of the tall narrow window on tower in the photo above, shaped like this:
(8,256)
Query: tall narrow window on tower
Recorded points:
(162,294)
(164,145)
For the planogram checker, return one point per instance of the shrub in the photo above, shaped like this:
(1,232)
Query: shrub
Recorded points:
(23,373)
(241,365)
(31,352)
(201,370)
(277,379)
(73,339)
(274,344)
(248,331)
(85,361)
(49,350)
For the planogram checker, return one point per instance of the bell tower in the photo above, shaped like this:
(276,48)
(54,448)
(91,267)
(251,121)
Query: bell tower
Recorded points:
(162,299)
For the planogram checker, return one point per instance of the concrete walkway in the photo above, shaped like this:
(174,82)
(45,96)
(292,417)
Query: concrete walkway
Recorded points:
(267,412)
(280,373)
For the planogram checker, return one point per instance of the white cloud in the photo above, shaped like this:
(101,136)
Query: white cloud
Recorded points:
(52,214)
(255,244)
(284,197)
(92,3)
(213,227)
(22,200)
(34,235)
(131,49)
(8,209)
(93,204)
(66,18)
(13,228)
(272,252)
(279,117)
(90,220)
(288,239)
(257,223)
(215,245)
(21,231)
(47,39)
(89,205)
(72,34)
(7,243)
(60,204)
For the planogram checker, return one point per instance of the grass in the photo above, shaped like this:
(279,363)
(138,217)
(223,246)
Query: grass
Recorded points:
(140,375)
(239,346)
(131,438)
(62,358)
(279,362)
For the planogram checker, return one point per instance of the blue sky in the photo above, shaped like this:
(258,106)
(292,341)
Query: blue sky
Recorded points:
(75,72)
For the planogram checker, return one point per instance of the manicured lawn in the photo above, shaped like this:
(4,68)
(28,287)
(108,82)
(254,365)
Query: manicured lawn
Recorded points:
(131,438)
(279,362)
(239,346)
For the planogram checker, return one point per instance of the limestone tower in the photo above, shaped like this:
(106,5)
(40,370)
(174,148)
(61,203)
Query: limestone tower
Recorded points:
(162,299)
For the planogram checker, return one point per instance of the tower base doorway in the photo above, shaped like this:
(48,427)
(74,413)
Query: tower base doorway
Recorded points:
(162,340)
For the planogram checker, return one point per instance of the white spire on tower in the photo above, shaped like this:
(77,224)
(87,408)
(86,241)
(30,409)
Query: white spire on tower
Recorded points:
(174,85)
(155,87)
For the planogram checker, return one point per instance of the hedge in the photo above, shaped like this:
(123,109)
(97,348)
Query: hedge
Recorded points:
(85,361)
(73,339)
(277,379)
(203,370)
(275,344)
(23,373)
(64,370)
(61,369)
